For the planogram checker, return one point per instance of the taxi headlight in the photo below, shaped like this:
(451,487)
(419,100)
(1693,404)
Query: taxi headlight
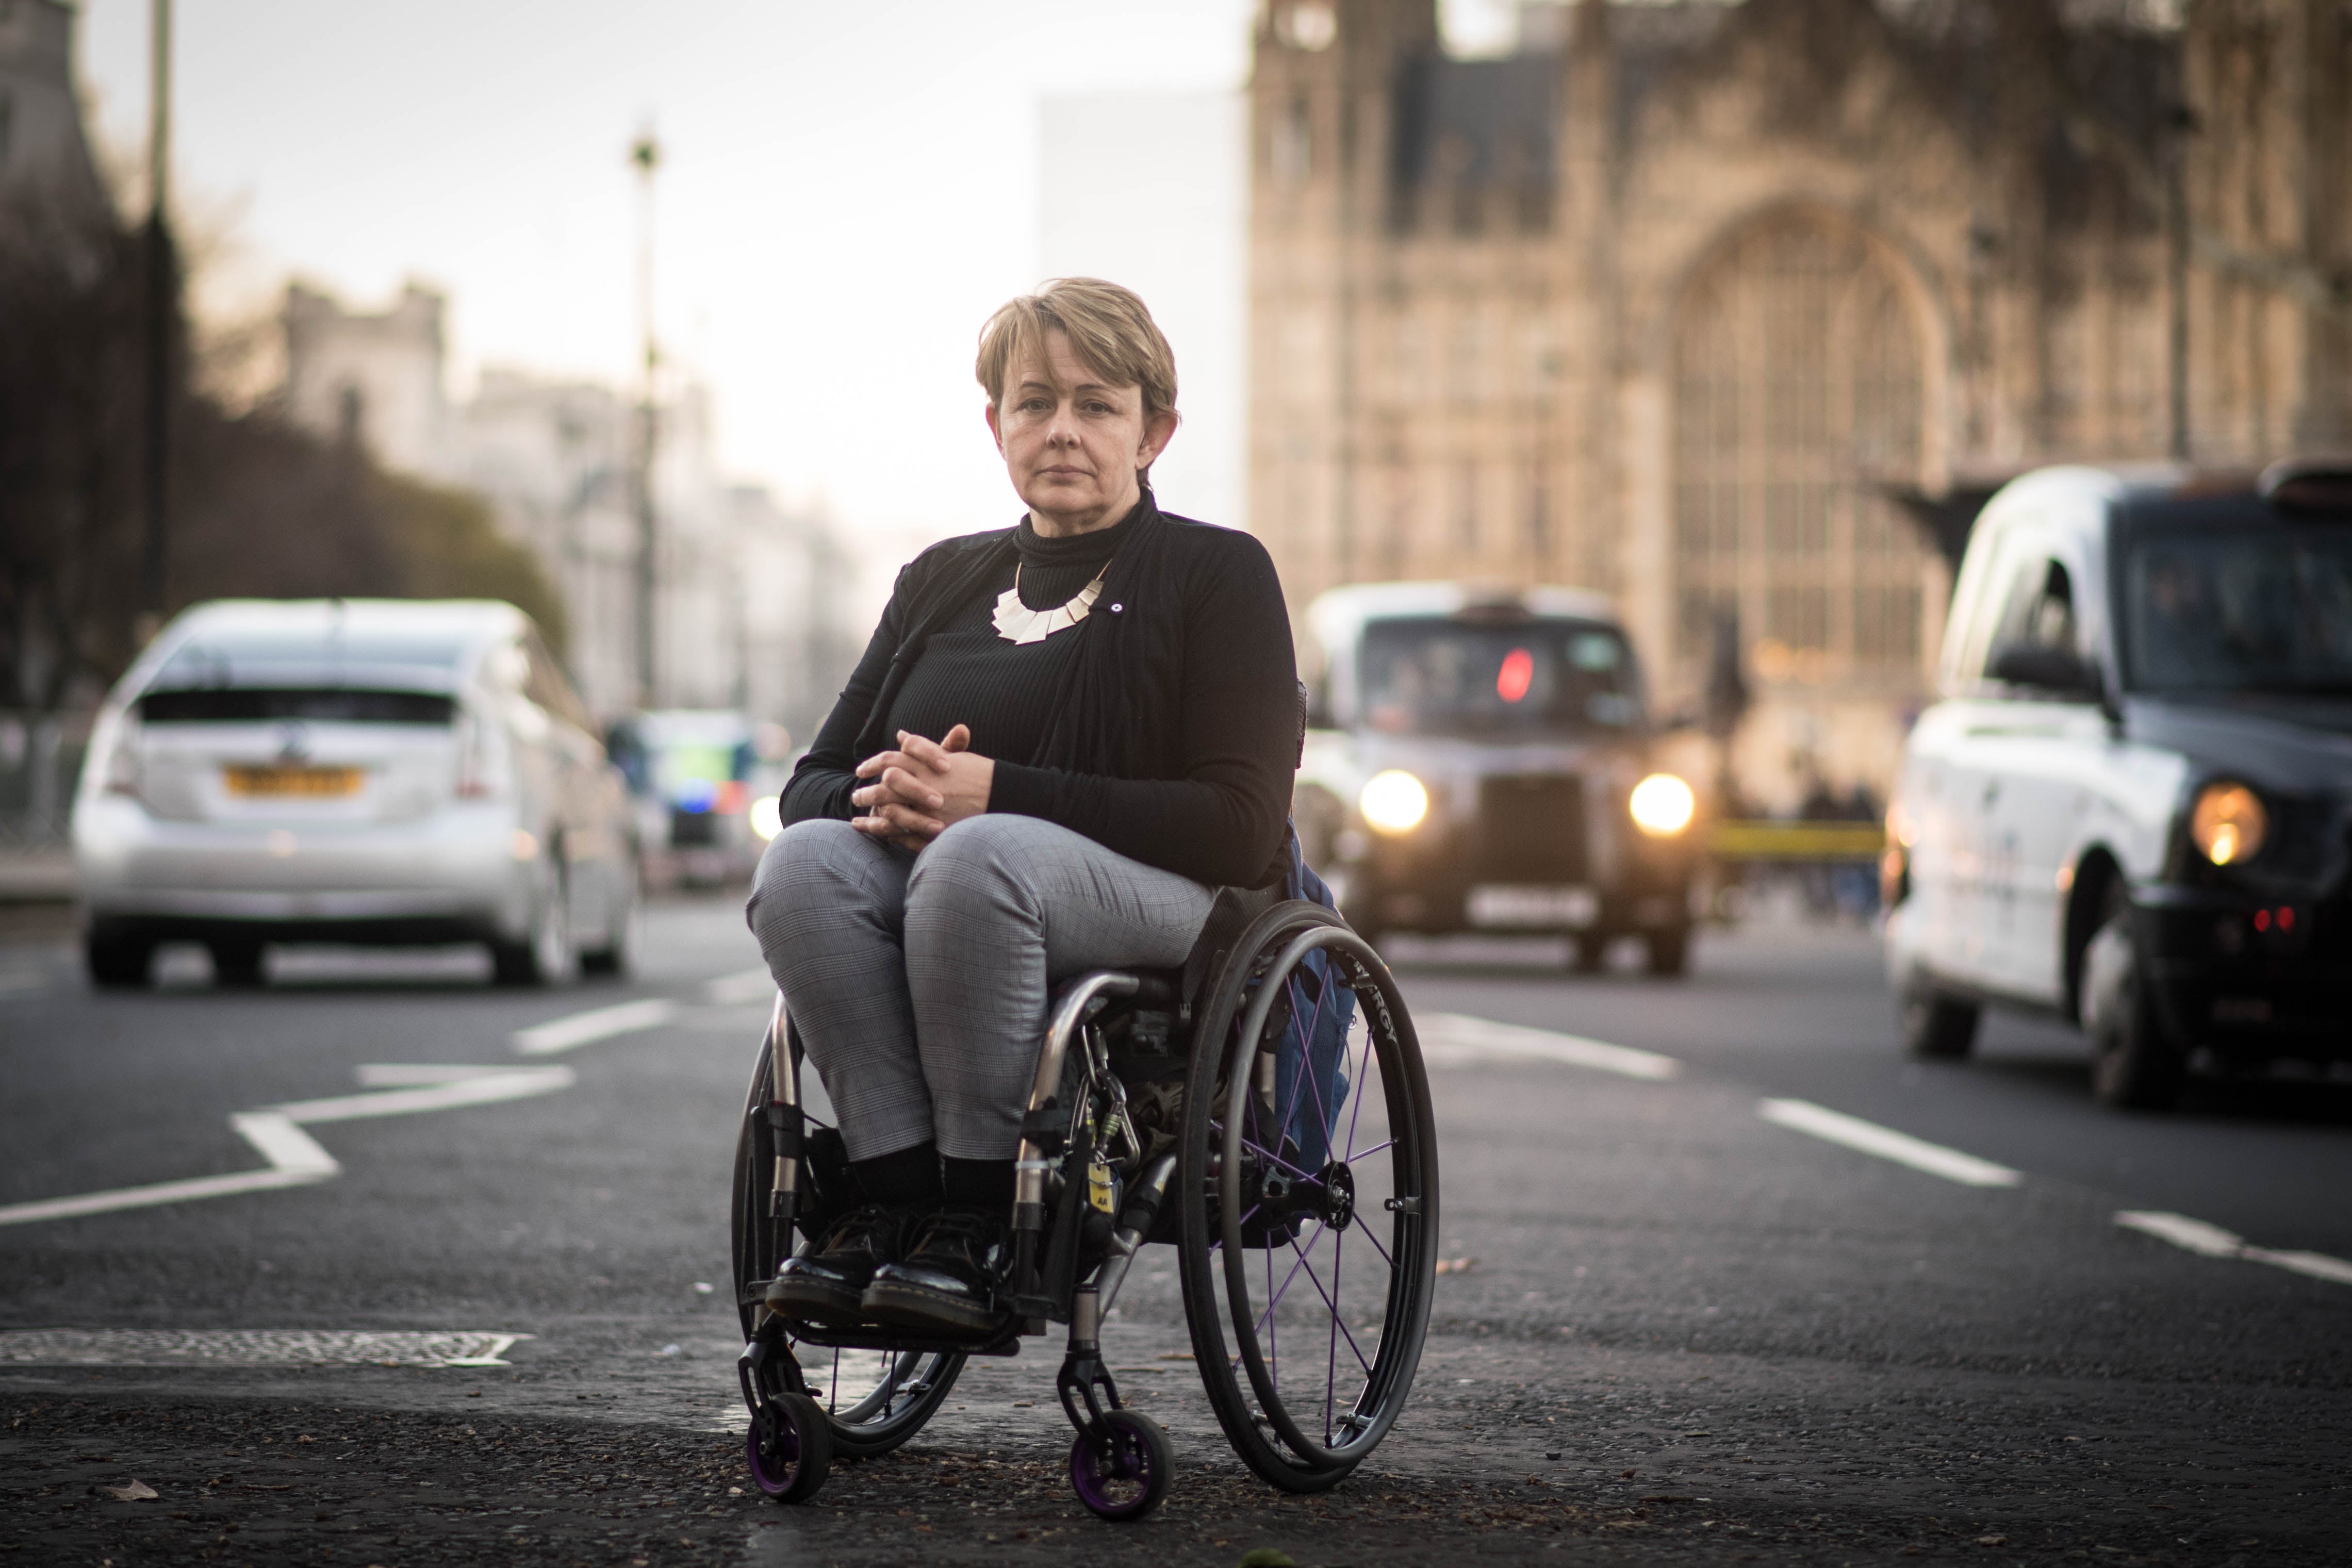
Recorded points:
(2227,825)
(768,817)
(1393,801)
(1662,805)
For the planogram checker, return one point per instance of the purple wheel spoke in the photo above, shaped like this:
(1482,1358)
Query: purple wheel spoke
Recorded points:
(1307,1051)
(1273,1351)
(1355,1155)
(1276,1299)
(1304,1062)
(1331,1356)
(1378,1248)
(1338,1322)
(1362,1063)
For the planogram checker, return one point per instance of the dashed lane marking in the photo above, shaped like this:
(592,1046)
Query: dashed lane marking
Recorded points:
(252,1347)
(2212,1242)
(577,1030)
(1458,1040)
(746,986)
(1870,1138)
(296,1159)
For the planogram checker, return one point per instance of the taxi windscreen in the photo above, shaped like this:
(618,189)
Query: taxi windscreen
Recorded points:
(2254,607)
(1508,680)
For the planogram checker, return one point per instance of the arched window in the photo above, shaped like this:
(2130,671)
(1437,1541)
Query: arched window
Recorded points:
(1797,395)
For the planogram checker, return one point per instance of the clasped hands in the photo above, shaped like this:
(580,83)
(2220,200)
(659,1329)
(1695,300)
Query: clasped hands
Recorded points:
(916,793)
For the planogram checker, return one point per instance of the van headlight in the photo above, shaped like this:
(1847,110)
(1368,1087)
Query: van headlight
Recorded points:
(2228,823)
(1662,805)
(1393,802)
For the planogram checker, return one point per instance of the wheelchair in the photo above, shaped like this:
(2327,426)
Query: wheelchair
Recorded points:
(1299,1186)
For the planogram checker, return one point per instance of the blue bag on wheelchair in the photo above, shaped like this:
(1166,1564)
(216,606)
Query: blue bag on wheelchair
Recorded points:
(1310,1080)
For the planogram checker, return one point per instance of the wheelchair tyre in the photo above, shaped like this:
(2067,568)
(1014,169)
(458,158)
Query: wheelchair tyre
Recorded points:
(790,1449)
(1130,1480)
(872,1401)
(1321,1359)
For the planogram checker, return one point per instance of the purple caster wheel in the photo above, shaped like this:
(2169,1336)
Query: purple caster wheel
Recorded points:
(1128,1481)
(789,1448)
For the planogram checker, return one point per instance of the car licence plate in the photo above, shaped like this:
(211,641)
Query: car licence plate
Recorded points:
(1549,908)
(310,783)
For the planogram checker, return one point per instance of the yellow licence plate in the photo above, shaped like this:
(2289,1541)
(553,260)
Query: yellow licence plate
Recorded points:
(311,782)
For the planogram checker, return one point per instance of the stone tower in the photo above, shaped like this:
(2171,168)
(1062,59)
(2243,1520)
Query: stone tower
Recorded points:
(42,147)
(1703,304)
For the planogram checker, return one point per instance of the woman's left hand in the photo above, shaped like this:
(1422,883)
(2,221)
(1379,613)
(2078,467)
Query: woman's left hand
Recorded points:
(924,788)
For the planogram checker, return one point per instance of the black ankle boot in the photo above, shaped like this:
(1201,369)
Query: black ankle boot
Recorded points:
(826,1285)
(948,1279)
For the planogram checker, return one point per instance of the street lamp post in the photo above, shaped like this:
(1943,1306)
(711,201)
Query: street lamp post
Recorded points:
(646,155)
(158,345)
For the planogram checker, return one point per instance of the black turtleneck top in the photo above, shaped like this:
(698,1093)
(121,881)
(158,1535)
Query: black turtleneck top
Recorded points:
(970,675)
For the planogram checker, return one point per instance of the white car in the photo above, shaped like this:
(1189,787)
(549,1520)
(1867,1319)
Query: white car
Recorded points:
(2133,806)
(372,771)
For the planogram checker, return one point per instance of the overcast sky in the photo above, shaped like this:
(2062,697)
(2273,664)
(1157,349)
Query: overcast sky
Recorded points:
(848,190)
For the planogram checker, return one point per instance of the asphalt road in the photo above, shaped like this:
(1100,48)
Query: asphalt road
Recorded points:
(1682,1332)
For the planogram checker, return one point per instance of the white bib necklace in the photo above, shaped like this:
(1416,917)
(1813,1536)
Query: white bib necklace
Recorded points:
(1016,622)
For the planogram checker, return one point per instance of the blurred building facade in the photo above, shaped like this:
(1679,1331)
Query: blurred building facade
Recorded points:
(1711,306)
(42,145)
(748,599)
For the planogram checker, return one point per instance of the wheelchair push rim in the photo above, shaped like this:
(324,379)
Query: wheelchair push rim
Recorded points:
(872,1401)
(1328,1314)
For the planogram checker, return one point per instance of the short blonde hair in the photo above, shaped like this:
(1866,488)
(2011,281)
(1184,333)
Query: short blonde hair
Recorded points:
(1111,331)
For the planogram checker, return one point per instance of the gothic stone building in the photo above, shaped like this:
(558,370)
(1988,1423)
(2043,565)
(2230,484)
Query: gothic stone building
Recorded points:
(1723,307)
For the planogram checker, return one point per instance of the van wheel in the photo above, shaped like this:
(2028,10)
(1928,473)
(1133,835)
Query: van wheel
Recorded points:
(117,960)
(2134,1063)
(1589,952)
(1669,952)
(1937,1026)
(236,962)
(547,956)
(618,956)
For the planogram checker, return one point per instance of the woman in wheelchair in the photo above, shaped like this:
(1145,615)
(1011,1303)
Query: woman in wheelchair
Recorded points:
(1063,737)
(1064,763)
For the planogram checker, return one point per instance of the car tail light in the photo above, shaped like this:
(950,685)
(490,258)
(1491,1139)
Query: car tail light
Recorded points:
(474,782)
(122,759)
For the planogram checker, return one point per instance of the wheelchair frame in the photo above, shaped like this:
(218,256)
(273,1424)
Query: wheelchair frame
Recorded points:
(1070,1255)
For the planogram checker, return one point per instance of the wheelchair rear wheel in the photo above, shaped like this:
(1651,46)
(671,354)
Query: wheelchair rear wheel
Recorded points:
(872,1400)
(1308,1212)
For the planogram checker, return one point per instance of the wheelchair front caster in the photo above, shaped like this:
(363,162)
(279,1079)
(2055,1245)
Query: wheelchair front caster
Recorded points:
(1121,1470)
(789,1448)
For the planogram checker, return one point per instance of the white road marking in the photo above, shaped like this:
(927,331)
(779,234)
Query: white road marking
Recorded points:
(401,1074)
(598,1023)
(252,1347)
(164,1192)
(279,1138)
(1853,1132)
(475,1089)
(1456,1040)
(296,1158)
(747,985)
(2212,1242)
